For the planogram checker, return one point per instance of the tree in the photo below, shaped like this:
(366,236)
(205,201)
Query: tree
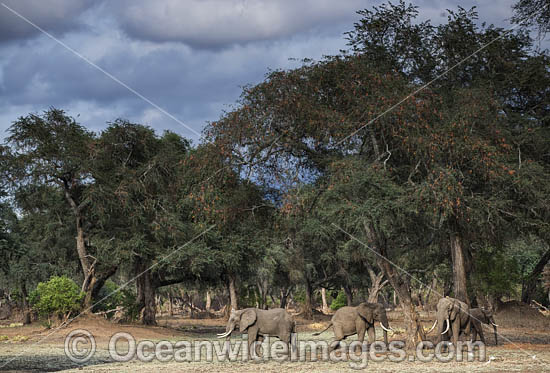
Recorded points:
(238,210)
(52,150)
(454,57)
(533,13)
(137,207)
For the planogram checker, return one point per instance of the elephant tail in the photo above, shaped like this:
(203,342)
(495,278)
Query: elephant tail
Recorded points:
(322,331)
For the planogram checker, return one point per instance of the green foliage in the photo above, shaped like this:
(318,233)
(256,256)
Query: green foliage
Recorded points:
(294,165)
(530,13)
(299,296)
(339,302)
(110,297)
(496,273)
(58,296)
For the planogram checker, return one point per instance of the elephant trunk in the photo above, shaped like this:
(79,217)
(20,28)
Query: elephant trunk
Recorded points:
(495,330)
(385,327)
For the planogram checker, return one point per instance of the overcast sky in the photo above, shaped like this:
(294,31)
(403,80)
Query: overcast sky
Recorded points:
(189,58)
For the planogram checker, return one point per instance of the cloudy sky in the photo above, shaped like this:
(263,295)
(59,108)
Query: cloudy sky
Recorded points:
(170,64)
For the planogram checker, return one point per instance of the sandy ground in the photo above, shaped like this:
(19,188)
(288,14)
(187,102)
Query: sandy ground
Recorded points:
(524,346)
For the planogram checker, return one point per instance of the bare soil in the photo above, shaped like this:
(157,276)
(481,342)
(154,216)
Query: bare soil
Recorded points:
(524,346)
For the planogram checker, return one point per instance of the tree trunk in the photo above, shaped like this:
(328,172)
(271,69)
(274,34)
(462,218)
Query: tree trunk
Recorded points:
(146,288)
(376,285)
(87,268)
(459,269)
(170,303)
(530,282)
(25,305)
(324,298)
(208,301)
(263,290)
(432,287)
(415,332)
(349,295)
(82,251)
(308,306)
(285,292)
(233,292)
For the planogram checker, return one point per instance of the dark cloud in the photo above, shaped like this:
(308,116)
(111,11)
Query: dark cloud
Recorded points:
(219,23)
(56,16)
(189,57)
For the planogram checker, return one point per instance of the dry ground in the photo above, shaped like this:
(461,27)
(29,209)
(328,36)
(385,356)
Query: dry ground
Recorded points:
(524,346)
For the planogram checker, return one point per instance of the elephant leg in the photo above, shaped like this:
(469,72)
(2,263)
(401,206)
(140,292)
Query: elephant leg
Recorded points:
(286,338)
(473,335)
(252,337)
(468,328)
(371,333)
(259,341)
(361,328)
(338,336)
(455,326)
(481,336)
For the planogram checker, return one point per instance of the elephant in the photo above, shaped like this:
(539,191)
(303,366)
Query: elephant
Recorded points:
(453,317)
(258,323)
(356,320)
(485,316)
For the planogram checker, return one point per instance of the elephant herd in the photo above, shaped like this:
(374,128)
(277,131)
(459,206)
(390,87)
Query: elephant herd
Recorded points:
(454,317)
(457,318)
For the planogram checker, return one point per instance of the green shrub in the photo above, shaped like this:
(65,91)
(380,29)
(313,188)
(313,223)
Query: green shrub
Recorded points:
(339,302)
(496,274)
(58,296)
(109,299)
(299,296)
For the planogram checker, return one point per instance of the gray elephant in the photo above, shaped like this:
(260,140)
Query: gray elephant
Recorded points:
(258,323)
(485,316)
(453,317)
(358,320)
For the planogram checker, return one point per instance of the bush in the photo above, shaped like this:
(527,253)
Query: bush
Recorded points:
(109,299)
(339,302)
(58,296)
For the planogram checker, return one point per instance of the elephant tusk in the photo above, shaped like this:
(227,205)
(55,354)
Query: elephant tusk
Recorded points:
(388,330)
(495,325)
(433,327)
(224,334)
(448,325)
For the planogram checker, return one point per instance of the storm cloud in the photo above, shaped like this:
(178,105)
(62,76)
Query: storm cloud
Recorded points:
(191,58)
(56,16)
(219,23)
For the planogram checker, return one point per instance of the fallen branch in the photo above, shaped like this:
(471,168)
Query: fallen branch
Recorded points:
(119,308)
(540,305)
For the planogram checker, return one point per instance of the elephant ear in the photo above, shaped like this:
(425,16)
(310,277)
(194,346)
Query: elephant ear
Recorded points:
(366,312)
(455,308)
(248,318)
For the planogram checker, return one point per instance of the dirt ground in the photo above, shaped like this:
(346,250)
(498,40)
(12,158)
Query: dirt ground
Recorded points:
(524,346)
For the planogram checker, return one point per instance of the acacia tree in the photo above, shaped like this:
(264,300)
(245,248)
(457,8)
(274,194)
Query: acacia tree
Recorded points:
(303,119)
(533,13)
(447,151)
(307,240)
(53,150)
(503,66)
(236,207)
(136,203)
